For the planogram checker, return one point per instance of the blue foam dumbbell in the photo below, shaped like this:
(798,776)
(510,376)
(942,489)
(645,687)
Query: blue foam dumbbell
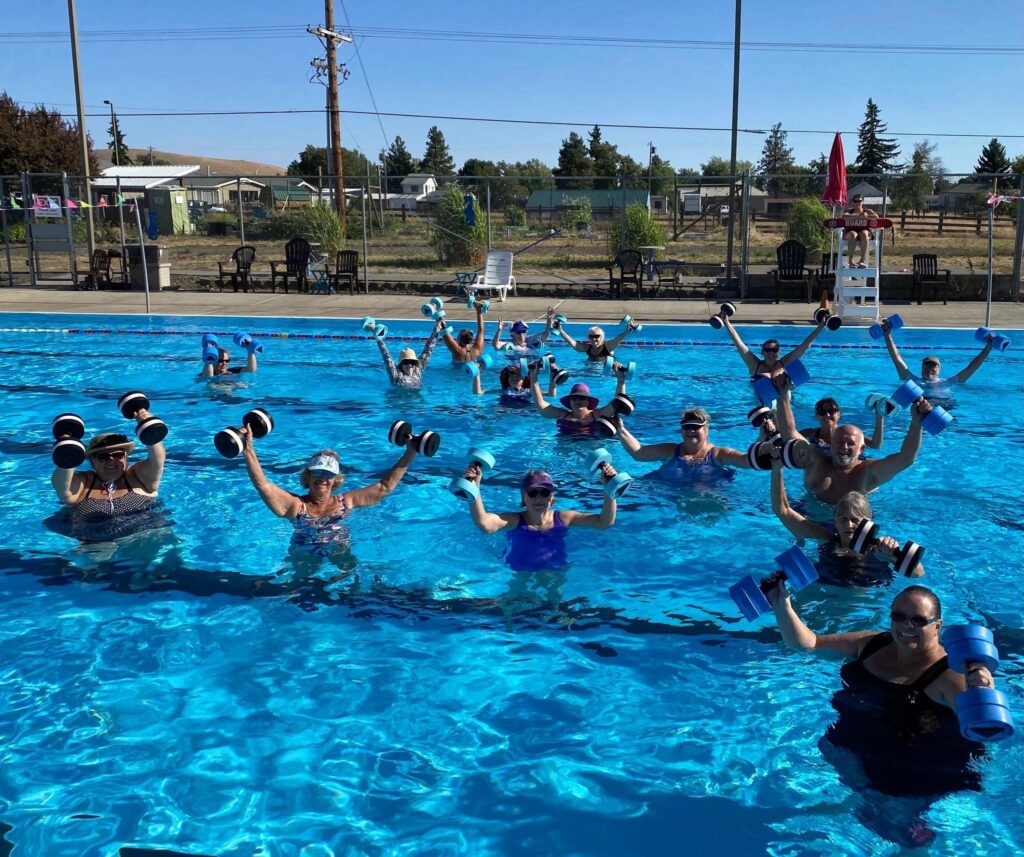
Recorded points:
(907,393)
(369,323)
(937,419)
(983,712)
(999,342)
(894,322)
(749,594)
(619,483)
(881,405)
(432,306)
(765,390)
(557,320)
(473,367)
(627,321)
(248,342)
(210,339)
(463,488)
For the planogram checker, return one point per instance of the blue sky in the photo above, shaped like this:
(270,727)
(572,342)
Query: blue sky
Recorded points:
(410,70)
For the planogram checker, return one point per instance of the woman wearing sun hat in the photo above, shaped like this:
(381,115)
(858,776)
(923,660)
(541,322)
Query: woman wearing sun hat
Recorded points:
(409,371)
(536,536)
(318,514)
(114,489)
(580,413)
(695,461)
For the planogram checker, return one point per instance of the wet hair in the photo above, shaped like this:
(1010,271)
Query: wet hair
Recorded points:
(925,593)
(853,505)
(827,402)
(695,415)
(465,336)
(304,473)
(768,342)
(510,376)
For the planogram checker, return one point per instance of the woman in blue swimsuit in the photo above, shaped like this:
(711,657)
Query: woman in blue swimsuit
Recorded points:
(895,721)
(695,461)
(319,515)
(536,536)
(838,563)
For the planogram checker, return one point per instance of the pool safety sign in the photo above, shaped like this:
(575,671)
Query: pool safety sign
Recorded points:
(47,206)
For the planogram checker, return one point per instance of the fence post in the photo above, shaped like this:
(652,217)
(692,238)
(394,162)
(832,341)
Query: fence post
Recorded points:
(488,215)
(1018,243)
(241,216)
(26,207)
(744,252)
(7,238)
(881,243)
(977,226)
(366,263)
(903,221)
(942,219)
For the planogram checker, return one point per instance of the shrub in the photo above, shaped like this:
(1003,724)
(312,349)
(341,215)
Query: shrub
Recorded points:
(317,223)
(454,241)
(515,216)
(641,231)
(804,224)
(578,216)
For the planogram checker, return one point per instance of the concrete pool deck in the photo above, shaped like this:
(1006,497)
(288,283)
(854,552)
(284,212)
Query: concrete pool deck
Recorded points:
(387,306)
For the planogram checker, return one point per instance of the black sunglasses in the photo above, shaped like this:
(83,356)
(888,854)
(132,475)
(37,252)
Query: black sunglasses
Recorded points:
(898,617)
(117,455)
(538,492)
(767,350)
(828,412)
(930,363)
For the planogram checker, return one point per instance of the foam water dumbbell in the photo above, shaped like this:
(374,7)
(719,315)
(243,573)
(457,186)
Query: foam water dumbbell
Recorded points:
(761,416)
(210,348)
(248,342)
(823,315)
(229,440)
(877,331)
(68,450)
(765,390)
(999,342)
(377,330)
(622,404)
(150,431)
(983,712)
(618,484)
(796,453)
(628,371)
(627,321)
(906,559)
(473,367)
(727,310)
(794,567)
(426,442)
(432,307)
(909,392)
(473,302)
(466,489)
(882,405)
(557,320)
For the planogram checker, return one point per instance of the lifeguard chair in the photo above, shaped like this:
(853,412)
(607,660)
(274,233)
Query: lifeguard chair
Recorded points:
(857,289)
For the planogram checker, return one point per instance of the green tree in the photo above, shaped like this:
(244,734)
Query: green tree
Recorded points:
(605,158)
(39,141)
(454,242)
(804,223)
(399,163)
(578,215)
(993,162)
(909,190)
(574,164)
(1017,165)
(776,158)
(716,166)
(521,178)
(475,167)
(641,231)
(875,154)
(661,175)
(437,160)
(119,153)
(312,161)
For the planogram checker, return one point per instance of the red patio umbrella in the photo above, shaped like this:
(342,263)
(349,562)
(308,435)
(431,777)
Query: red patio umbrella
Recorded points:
(835,188)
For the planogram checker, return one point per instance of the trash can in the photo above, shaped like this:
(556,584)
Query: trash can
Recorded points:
(159,271)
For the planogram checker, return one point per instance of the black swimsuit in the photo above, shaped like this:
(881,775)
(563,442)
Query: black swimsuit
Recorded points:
(905,742)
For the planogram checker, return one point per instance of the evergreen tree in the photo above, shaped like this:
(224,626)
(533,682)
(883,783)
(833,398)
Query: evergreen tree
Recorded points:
(476,167)
(605,157)
(776,158)
(119,153)
(399,163)
(437,160)
(521,179)
(39,141)
(661,175)
(312,161)
(993,160)
(875,154)
(716,166)
(910,190)
(574,162)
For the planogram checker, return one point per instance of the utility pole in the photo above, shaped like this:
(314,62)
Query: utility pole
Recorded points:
(82,134)
(650,166)
(329,38)
(732,150)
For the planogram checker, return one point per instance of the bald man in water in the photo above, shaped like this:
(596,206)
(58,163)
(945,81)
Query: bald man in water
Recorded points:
(830,477)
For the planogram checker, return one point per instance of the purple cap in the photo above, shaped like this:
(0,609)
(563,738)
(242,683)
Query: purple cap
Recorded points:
(536,479)
(519,327)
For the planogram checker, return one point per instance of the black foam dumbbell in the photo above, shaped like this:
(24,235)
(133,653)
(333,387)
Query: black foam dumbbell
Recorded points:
(68,451)
(149,431)
(229,440)
(905,560)
(426,442)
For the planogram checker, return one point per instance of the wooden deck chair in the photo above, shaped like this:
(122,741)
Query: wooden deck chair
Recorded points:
(497,274)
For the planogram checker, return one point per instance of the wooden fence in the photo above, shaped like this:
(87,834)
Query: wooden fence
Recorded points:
(926,223)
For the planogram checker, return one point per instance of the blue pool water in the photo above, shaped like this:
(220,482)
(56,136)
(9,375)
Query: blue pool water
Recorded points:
(195,695)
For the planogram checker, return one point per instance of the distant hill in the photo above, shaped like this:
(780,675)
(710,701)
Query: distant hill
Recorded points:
(215,166)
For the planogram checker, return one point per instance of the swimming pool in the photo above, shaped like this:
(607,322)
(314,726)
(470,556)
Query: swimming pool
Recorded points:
(434,702)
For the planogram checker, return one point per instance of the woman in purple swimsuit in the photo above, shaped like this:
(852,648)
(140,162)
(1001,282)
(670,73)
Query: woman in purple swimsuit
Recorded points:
(536,536)
(579,414)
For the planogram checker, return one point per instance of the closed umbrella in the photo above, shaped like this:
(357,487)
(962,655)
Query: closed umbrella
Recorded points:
(835,186)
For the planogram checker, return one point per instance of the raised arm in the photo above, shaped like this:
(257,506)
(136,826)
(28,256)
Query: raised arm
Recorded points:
(389,364)
(875,441)
(792,520)
(543,408)
(151,468)
(972,367)
(428,347)
(489,522)
(801,349)
(603,521)
(282,503)
(615,342)
(69,485)
(749,359)
(784,408)
(496,342)
(371,495)
(572,343)
(450,343)
(884,469)
(250,363)
(654,452)
(478,341)
(798,636)
(894,353)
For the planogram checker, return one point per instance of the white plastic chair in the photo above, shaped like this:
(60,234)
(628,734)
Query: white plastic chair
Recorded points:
(497,275)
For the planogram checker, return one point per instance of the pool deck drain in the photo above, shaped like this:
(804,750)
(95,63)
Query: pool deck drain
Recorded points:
(964,314)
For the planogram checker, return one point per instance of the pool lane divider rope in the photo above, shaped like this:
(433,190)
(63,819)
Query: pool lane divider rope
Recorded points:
(351,337)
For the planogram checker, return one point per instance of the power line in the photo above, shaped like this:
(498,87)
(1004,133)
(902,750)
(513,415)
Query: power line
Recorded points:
(553,122)
(366,77)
